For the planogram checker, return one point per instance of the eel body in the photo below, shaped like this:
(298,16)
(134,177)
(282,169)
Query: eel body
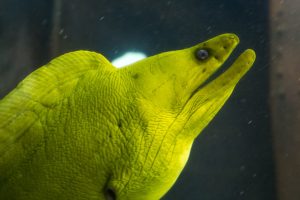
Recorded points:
(79,128)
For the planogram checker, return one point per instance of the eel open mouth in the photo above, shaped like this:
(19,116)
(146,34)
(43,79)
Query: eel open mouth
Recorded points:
(230,77)
(209,98)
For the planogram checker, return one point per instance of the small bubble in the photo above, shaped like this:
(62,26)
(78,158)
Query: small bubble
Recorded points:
(242,168)
(101,18)
(266,116)
(243,100)
(250,121)
(61,31)
(44,22)
(281,93)
(242,193)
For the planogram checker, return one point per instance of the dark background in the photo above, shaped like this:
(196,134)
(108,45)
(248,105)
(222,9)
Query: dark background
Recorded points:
(232,158)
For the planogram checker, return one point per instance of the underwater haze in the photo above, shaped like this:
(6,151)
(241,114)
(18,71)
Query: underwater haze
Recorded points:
(233,157)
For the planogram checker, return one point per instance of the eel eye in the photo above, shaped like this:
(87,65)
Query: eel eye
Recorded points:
(202,54)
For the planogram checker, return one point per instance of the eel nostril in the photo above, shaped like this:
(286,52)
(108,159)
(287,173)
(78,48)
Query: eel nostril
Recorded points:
(110,194)
(217,57)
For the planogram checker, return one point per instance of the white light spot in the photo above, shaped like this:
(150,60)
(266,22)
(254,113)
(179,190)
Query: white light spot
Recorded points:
(128,58)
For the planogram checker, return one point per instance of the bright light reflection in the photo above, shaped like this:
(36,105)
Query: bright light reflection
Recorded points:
(128,58)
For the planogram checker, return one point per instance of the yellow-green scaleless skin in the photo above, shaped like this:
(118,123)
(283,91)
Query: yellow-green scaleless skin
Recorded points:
(79,128)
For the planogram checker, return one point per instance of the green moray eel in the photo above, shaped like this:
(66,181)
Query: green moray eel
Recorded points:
(79,128)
